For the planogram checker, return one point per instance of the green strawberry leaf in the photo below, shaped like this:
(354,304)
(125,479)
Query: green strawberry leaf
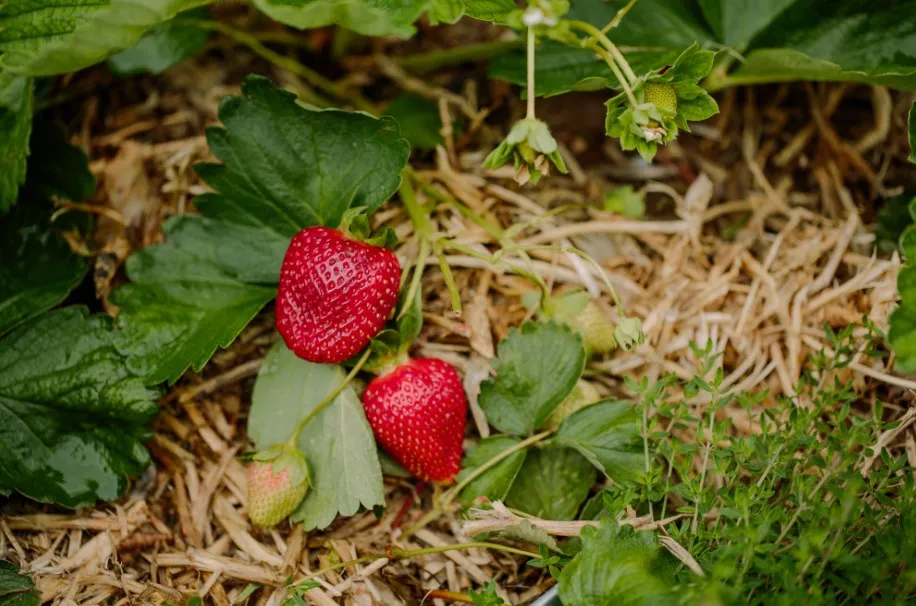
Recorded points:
(626,201)
(607,434)
(338,442)
(38,269)
(552,484)
(194,293)
(536,369)
(72,416)
(450,11)
(165,45)
(16,589)
(16,101)
(367,17)
(50,37)
(617,565)
(309,172)
(893,219)
(783,40)
(495,482)
(419,120)
(911,133)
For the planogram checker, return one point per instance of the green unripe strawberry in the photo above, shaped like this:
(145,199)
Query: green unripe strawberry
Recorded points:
(596,328)
(582,395)
(662,95)
(278,480)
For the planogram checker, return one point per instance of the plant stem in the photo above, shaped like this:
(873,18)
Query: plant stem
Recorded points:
(496,262)
(328,399)
(422,229)
(423,63)
(456,490)
(620,77)
(711,409)
(610,46)
(449,278)
(618,17)
(309,75)
(530,113)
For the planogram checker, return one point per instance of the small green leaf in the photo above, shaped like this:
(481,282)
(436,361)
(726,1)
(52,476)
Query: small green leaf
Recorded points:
(496,481)
(309,172)
(419,120)
(625,201)
(617,565)
(552,484)
(194,293)
(367,17)
(16,589)
(607,434)
(50,37)
(893,218)
(165,45)
(16,101)
(338,442)
(72,414)
(536,369)
(486,596)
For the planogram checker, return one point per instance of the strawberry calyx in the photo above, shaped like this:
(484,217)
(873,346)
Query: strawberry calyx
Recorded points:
(354,225)
(286,456)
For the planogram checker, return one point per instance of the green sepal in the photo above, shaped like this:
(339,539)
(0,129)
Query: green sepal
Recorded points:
(289,457)
(355,224)
(527,144)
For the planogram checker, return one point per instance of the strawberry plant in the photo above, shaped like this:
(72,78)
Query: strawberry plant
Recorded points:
(286,225)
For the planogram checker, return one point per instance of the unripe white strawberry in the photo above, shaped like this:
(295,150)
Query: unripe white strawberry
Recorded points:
(596,328)
(278,480)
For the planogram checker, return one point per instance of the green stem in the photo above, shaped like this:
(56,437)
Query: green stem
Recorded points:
(449,278)
(587,258)
(496,232)
(450,496)
(531,42)
(620,77)
(497,262)
(328,399)
(422,229)
(423,63)
(610,46)
(309,75)
(618,17)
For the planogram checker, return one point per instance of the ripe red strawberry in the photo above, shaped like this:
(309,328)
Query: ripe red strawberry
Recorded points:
(417,412)
(335,294)
(278,480)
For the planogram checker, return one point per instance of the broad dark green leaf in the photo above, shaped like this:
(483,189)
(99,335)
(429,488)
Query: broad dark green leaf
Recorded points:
(419,120)
(780,40)
(38,270)
(338,442)
(16,102)
(165,45)
(49,37)
(286,167)
(72,417)
(617,565)
(536,369)
(16,589)
(56,168)
(367,17)
(607,434)
(552,484)
(194,293)
(496,481)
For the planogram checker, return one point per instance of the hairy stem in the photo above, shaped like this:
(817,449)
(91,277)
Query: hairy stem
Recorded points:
(618,17)
(600,36)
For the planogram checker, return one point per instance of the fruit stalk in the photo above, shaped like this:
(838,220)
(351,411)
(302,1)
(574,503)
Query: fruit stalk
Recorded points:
(531,41)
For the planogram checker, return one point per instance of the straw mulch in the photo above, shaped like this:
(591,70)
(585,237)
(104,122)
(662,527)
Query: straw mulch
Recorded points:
(760,232)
